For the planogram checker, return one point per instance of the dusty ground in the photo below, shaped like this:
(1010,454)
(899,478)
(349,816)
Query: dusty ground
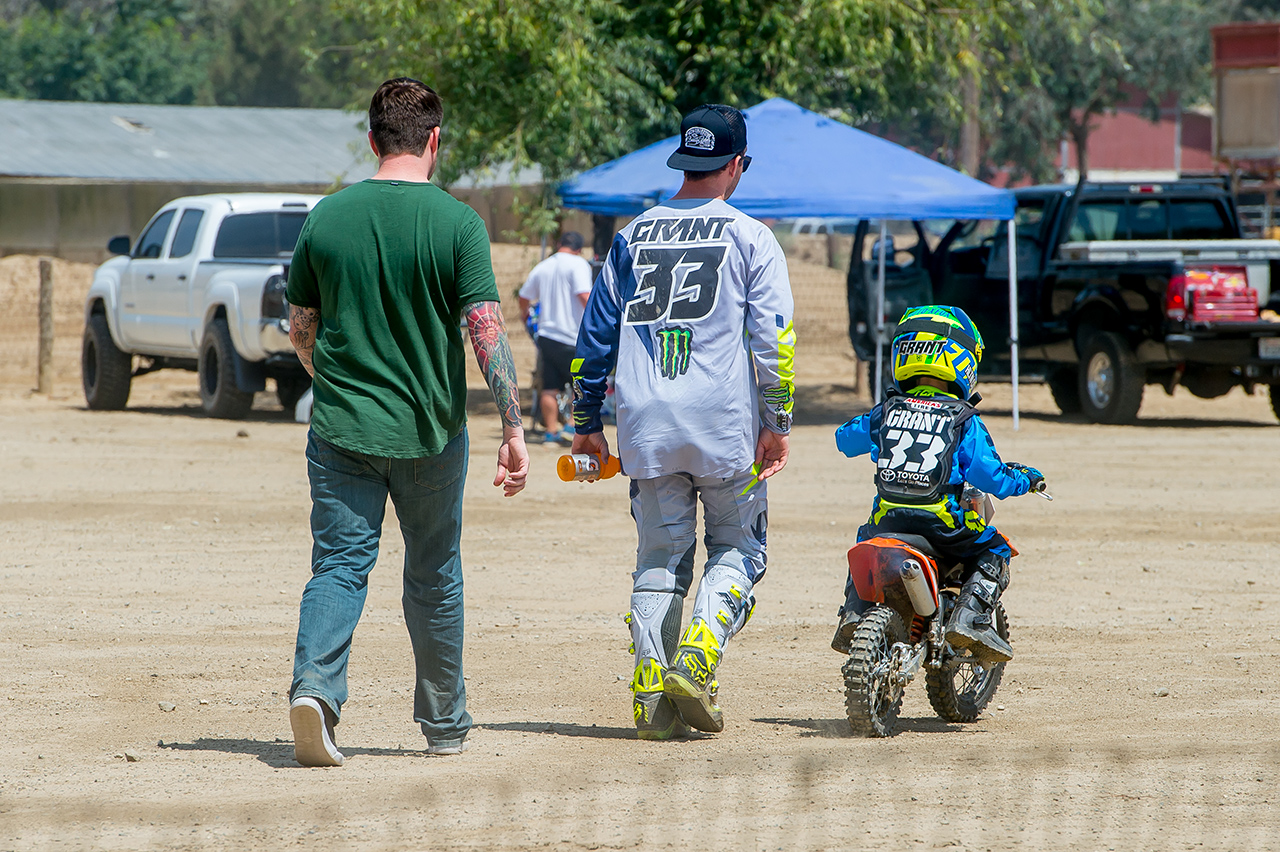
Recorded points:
(156,557)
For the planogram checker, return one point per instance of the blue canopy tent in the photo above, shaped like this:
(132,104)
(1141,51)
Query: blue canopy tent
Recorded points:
(804,164)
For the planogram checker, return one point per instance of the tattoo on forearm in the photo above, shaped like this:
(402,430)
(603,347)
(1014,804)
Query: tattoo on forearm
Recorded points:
(302,334)
(493,352)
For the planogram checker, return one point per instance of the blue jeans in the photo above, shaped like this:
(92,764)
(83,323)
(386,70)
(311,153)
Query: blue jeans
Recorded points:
(349,493)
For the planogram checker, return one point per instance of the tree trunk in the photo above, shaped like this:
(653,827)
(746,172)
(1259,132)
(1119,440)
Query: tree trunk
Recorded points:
(1080,136)
(970,131)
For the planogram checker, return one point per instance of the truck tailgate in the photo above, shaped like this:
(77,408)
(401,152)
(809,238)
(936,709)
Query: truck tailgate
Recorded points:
(1254,255)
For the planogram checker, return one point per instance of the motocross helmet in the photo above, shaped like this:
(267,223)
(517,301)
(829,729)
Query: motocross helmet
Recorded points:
(937,341)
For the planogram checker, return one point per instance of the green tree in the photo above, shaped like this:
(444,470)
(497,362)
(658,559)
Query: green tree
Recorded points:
(134,51)
(568,85)
(562,84)
(1079,58)
(887,65)
(1256,10)
(286,53)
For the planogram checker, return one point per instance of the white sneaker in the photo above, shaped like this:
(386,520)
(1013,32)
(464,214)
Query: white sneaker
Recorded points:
(312,734)
(445,751)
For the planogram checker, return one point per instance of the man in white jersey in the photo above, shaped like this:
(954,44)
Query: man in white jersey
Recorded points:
(559,287)
(693,309)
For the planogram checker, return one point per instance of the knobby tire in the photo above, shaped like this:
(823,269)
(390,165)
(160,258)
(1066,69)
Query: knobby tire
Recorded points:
(956,691)
(872,703)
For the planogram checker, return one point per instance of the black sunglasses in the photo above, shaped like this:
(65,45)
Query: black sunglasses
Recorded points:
(746,163)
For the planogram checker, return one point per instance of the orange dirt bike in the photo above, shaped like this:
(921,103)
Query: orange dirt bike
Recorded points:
(909,591)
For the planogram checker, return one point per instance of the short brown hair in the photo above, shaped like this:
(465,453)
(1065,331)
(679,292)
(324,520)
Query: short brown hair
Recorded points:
(402,115)
(694,177)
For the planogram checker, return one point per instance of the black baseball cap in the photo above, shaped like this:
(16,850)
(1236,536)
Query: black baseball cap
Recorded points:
(710,136)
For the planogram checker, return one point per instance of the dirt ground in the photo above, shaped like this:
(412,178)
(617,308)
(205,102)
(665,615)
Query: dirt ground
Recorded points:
(155,556)
(154,559)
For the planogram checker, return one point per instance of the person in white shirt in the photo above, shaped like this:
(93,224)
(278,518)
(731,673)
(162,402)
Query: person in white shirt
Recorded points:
(559,286)
(693,311)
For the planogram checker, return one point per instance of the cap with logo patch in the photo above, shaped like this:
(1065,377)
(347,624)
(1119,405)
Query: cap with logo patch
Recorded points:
(710,136)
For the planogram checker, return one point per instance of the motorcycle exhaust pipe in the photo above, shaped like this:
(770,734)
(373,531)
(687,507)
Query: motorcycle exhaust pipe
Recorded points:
(918,588)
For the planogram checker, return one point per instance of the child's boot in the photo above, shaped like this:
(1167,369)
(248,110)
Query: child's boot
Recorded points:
(972,624)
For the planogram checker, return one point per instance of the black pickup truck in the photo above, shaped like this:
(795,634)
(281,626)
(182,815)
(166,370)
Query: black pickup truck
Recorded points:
(1125,286)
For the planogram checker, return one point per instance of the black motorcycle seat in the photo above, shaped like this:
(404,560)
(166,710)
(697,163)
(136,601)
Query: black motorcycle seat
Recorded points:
(919,542)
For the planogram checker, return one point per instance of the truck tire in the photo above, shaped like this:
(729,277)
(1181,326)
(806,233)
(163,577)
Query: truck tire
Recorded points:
(1111,379)
(290,389)
(1064,387)
(219,395)
(105,371)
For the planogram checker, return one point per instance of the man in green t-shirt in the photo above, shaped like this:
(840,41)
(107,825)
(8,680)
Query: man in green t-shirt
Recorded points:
(383,275)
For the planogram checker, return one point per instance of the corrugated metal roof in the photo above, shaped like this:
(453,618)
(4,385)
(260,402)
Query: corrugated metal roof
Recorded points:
(184,144)
(504,174)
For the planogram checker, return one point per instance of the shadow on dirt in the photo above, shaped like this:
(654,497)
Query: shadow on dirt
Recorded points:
(254,416)
(837,729)
(562,729)
(277,754)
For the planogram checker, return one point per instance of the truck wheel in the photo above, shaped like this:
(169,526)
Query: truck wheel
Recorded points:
(1111,379)
(1064,386)
(290,390)
(106,372)
(1275,400)
(219,395)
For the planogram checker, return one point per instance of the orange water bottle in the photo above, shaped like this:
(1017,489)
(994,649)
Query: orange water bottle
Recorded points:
(586,467)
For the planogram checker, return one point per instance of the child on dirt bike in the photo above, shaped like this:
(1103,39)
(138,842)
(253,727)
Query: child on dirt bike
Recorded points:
(927,441)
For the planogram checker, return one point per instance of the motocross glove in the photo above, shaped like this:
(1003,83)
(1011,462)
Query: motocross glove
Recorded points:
(1035,476)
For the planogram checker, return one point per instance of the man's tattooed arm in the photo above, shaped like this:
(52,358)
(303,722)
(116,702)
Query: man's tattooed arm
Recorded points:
(303,324)
(493,352)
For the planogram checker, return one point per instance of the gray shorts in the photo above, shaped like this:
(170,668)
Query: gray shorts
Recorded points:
(665,508)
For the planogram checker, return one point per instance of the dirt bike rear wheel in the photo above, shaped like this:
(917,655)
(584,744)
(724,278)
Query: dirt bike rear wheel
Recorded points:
(871,701)
(959,691)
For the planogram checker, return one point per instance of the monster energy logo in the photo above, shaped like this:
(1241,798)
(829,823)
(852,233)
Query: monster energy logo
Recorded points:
(779,397)
(674,347)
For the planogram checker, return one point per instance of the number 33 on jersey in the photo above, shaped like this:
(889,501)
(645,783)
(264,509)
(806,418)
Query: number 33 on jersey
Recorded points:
(693,306)
(917,442)
(675,284)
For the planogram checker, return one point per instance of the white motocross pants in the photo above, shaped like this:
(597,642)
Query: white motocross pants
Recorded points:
(735,518)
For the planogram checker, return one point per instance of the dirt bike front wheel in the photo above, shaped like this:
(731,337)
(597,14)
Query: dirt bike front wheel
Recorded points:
(960,690)
(871,699)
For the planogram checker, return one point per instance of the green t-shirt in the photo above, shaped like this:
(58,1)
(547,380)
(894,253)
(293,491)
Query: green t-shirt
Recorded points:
(390,265)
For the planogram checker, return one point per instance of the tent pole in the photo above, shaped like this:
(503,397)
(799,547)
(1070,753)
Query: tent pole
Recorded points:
(1013,314)
(880,319)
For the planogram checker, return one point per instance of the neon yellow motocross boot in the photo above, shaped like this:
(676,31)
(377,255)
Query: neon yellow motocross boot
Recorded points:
(655,718)
(690,682)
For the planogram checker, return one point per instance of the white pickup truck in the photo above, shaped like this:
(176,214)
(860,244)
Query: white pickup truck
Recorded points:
(202,289)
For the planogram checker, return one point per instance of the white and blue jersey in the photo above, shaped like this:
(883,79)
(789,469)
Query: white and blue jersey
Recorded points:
(945,522)
(693,311)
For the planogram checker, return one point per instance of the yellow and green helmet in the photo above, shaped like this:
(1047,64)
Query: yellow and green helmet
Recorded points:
(940,342)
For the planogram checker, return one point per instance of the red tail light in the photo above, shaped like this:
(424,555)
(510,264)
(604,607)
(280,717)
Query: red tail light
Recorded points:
(1212,294)
(1175,302)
